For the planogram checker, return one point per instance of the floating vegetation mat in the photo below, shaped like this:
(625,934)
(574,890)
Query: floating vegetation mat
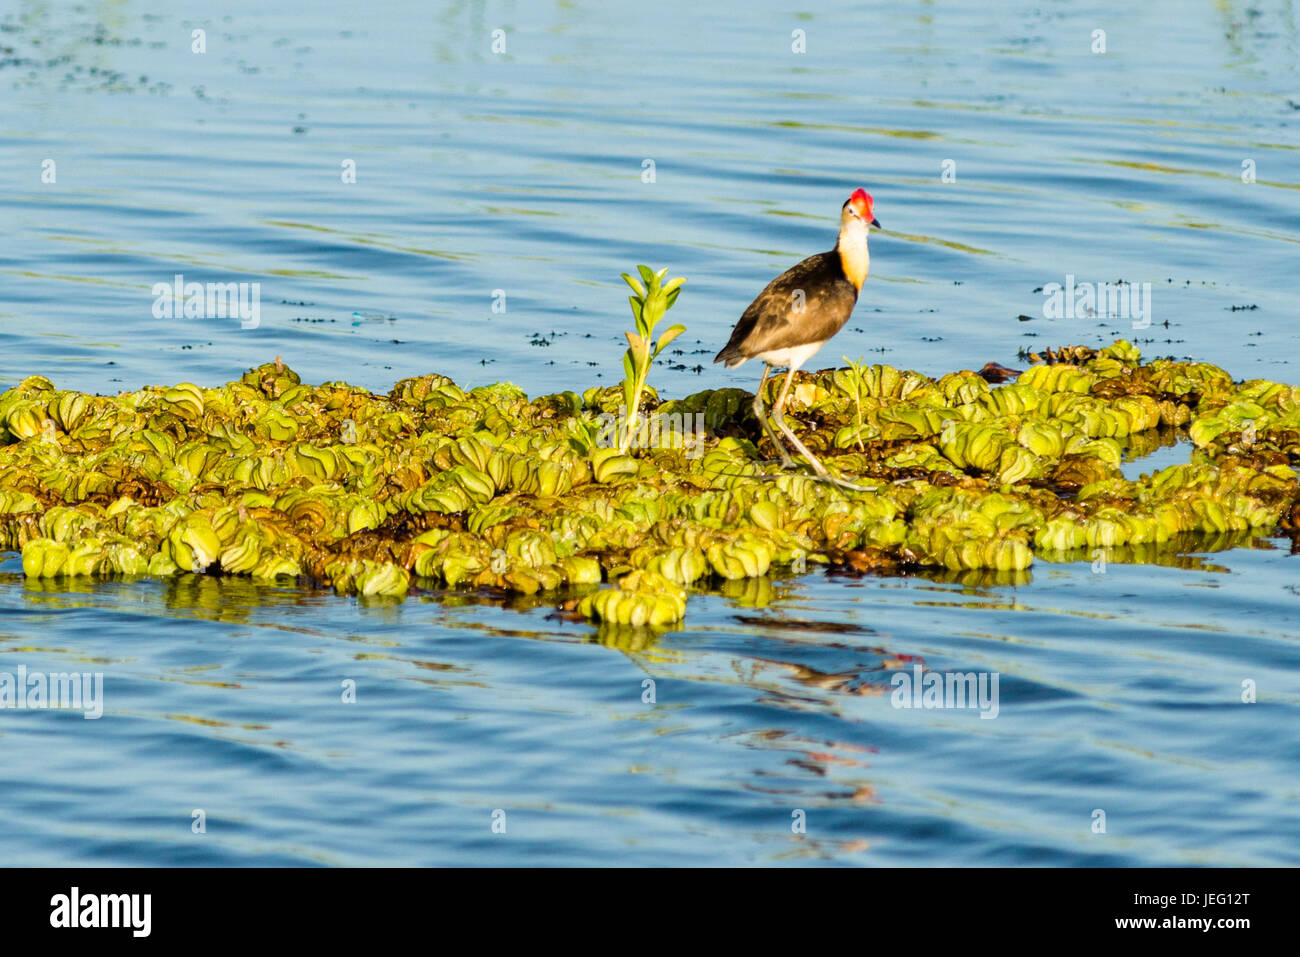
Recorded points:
(434,486)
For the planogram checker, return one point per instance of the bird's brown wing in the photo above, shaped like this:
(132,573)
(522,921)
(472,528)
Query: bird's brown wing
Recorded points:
(774,319)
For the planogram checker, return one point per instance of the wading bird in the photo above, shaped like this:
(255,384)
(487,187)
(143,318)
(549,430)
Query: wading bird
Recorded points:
(798,313)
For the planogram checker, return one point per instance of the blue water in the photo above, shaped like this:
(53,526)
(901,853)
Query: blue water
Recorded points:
(523,172)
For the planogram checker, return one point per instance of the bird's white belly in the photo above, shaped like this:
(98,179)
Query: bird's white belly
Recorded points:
(794,357)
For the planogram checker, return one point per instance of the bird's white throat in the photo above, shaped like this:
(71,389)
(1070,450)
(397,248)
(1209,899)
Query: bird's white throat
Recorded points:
(852,247)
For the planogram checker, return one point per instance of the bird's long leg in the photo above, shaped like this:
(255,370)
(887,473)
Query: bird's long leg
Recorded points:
(778,417)
(786,461)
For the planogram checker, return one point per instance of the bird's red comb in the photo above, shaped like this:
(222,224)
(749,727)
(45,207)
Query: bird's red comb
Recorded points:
(861,201)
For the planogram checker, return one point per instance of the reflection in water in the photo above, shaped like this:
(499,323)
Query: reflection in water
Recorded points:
(1139,445)
(786,700)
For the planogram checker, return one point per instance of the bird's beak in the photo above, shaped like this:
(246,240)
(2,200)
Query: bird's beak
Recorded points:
(876,224)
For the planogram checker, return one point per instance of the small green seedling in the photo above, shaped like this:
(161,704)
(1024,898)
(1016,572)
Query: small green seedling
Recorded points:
(651,301)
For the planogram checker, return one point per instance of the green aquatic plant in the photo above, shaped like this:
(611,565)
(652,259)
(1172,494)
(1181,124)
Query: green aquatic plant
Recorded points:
(857,372)
(650,301)
(435,487)
(641,598)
